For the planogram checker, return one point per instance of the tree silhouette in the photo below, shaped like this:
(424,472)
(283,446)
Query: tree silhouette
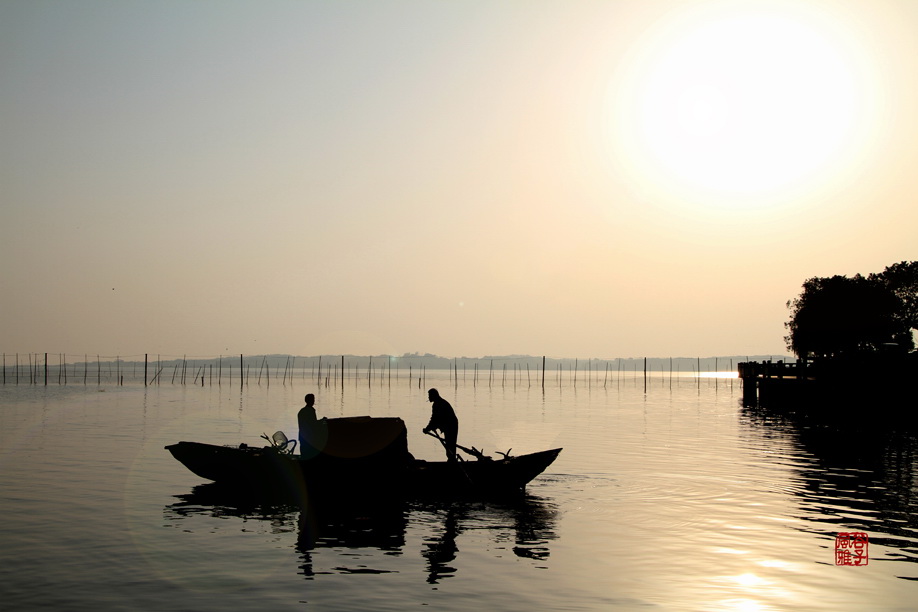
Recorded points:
(902,279)
(843,317)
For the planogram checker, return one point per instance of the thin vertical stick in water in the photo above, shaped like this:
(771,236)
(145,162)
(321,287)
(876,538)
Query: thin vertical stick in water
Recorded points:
(645,375)
(543,372)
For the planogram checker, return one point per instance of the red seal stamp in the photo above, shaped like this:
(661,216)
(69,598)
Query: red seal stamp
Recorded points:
(851,548)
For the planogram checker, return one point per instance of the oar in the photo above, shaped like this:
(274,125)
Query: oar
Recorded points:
(471,451)
(443,442)
(459,459)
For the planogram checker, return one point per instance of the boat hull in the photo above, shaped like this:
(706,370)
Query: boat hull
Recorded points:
(272,470)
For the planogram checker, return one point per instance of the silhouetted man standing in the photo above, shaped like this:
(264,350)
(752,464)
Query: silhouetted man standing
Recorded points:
(309,425)
(443,417)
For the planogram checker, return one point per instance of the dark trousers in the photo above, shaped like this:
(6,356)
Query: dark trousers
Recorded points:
(450,435)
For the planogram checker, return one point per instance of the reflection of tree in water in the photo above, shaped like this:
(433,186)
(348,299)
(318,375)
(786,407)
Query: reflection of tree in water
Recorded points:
(863,477)
(525,524)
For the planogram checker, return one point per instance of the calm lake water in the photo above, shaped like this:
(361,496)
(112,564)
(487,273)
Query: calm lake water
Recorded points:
(676,498)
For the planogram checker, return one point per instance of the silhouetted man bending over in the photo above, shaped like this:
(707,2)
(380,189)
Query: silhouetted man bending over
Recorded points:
(443,418)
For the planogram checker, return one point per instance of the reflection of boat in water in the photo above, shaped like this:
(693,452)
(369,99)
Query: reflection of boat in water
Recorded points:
(359,455)
(330,524)
(328,533)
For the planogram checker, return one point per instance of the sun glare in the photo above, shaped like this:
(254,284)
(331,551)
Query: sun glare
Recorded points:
(733,101)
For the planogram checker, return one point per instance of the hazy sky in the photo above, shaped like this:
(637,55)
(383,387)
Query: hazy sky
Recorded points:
(568,178)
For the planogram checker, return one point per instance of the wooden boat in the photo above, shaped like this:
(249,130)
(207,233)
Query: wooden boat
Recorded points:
(359,455)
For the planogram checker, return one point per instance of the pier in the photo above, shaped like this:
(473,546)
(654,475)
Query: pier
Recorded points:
(768,382)
(863,387)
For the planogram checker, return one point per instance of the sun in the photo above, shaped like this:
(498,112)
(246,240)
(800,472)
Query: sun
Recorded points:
(738,102)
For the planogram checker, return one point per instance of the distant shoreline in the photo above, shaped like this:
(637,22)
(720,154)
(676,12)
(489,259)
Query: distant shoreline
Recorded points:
(428,360)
